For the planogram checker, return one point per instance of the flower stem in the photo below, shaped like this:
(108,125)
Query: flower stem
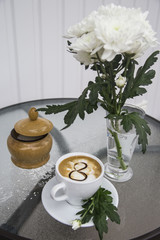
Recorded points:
(97,70)
(88,209)
(119,102)
(126,67)
(119,149)
(113,87)
(102,68)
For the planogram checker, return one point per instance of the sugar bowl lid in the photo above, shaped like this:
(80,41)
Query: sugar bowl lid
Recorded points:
(34,125)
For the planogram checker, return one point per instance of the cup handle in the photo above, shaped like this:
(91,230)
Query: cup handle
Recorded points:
(55,189)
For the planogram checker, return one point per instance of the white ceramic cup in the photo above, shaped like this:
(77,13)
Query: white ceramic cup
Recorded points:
(75,191)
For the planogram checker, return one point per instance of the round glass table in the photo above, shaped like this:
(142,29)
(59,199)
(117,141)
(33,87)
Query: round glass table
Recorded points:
(22,213)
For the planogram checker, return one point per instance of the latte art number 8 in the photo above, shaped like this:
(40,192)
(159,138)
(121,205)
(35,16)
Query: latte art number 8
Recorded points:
(78,174)
(80,168)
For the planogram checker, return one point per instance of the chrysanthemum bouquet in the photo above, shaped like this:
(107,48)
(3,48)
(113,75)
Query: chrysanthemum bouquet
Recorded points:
(109,41)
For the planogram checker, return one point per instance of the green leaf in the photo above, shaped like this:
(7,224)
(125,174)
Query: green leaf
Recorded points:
(127,123)
(130,79)
(86,67)
(71,108)
(98,208)
(49,109)
(88,107)
(137,91)
(112,214)
(93,96)
(146,78)
(150,61)
(96,67)
(116,61)
(69,43)
(100,223)
(78,107)
(81,104)
(143,78)
(71,115)
(131,70)
(133,119)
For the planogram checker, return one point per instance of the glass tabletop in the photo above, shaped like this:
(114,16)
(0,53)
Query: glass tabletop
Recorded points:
(21,209)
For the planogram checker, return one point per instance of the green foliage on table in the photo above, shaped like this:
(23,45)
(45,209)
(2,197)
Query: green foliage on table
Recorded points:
(98,208)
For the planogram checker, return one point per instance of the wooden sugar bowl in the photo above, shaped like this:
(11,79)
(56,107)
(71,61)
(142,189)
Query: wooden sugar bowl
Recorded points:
(30,141)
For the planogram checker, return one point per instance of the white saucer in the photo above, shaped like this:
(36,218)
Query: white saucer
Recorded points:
(63,211)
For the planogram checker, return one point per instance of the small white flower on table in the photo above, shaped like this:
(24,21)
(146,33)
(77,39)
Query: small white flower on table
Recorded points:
(76,224)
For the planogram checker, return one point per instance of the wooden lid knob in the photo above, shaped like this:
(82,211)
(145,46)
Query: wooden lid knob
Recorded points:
(33,115)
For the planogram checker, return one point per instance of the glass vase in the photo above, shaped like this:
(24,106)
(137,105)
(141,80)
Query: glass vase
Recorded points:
(120,148)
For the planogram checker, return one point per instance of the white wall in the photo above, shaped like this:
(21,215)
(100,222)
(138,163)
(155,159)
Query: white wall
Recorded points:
(34,62)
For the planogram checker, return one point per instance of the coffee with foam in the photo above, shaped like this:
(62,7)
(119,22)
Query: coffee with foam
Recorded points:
(80,168)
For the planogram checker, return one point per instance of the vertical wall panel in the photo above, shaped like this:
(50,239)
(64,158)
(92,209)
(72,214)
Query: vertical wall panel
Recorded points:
(52,47)
(90,6)
(3,53)
(153,96)
(127,3)
(116,2)
(23,19)
(8,74)
(37,44)
(143,5)
(73,13)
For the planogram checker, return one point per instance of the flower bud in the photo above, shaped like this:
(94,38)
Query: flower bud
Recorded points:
(76,224)
(120,82)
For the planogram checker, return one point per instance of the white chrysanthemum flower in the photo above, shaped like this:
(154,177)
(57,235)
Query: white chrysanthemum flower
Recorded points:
(87,43)
(83,57)
(121,81)
(85,26)
(112,30)
(86,58)
(76,224)
(123,30)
